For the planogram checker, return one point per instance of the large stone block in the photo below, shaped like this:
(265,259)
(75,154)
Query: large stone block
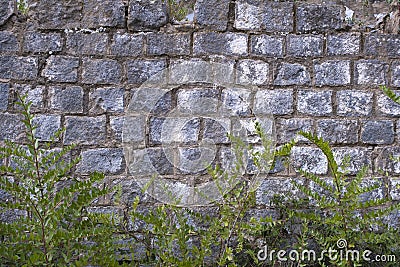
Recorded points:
(147,15)
(34,95)
(229,44)
(197,101)
(19,68)
(4,92)
(85,130)
(37,42)
(236,102)
(61,69)
(332,72)
(305,45)
(319,18)
(359,158)
(168,44)
(316,103)
(265,45)
(354,103)
(47,126)
(254,72)
(292,74)
(387,106)
(377,132)
(106,160)
(103,13)
(273,102)
(106,100)
(343,44)
(66,100)
(338,131)
(309,159)
(8,41)
(382,45)
(127,45)
(141,70)
(7,8)
(11,127)
(87,43)
(212,14)
(370,72)
(287,129)
(174,130)
(101,71)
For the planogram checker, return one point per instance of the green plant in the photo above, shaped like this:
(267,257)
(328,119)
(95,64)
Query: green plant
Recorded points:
(22,6)
(341,209)
(179,9)
(53,226)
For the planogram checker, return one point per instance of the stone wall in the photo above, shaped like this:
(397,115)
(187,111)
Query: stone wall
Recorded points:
(314,66)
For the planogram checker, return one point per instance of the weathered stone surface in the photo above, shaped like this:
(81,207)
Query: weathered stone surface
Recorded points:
(117,124)
(305,45)
(161,164)
(255,72)
(47,126)
(106,100)
(66,100)
(173,130)
(343,44)
(140,70)
(317,103)
(287,129)
(8,41)
(34,94)
(37,42)
(194,160)
(217,130)
(248,15)
(387,106)
(147,15)
(332,72)
(86,43)
(11,127)
(265,45)
(106,160)
(377,132)
(370,72)
(101,71)
(19,68)
(103,13)
(292,74)
(134,129)
(229,44)
(198,101)
(382,45)
(236,101)
(309,159)
(281,186)
(182,71)
(354,103)
(387,160)
(127,45)
(278,16)
(276,102)
(212,14)
(55,14)
(359,158)
(61,69)
(4,92)
(168,44)
(85,130)
(395,68)
(320,18)
(7,8)
(394,188)
(338,131)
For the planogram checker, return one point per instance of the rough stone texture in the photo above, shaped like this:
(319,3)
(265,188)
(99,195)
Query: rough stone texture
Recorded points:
(130,129)
(254,72)
(387,160)
(278,17)
(338,131)
(387,106)
(11,127)
(173,130)
(34,94)
(281,186)
(8,41)
(212,14)
(395,74)
(309,159)
(101,71)
(231,44)
(287,129)
(85,130)
(318,18)
(7,8)
(4,91)
(147,15)
(159,161)
(236,102)
(107,160)
(42,42)
(395,189)
(66,100)
(276,102)
(168,44)
(343,44)
(197,101)
(106,100)
(370,72)
(292,74)
(182,71)
(354,103)
(305,45)
(265,45)
(55,14)
(377,132)
(359,158)
(86,43)
(332,72)
(103,13)
(139,71)
(216,130)
(61,69)
(382,44)
(248,15)
(316,103)
(126,44)
(20,68)
(47,126)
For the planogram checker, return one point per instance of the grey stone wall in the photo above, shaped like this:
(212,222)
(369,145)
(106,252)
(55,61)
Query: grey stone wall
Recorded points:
(316,66)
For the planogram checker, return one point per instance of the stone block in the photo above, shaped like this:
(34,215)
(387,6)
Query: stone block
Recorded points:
(141,70)
(147,15)
(292,74)
(47,126)
(377,132)
(87,43)
(66,99)
(101,71)
(287,129)
(19,68)
(61,69)
(309,159)
(236,101)
(359,158)
(305,45)
(4,93)
(228,44)
(273,102)
(7,8)
(34,94)
(37,42)
(103,13)
(254,72)
(387,106)
(266,46)
(8,41)
(197,101)
(370,72)
(168,44)
(11,127)
(85,130)
(319,18)
(169,130)
(332,73)
(212,14)
(316,103)
(126,44)
(105,160)
(338,131)
(343,44)
(354,103)
(108,99)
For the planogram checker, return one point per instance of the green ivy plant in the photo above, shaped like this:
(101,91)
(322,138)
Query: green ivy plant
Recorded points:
(52,225)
